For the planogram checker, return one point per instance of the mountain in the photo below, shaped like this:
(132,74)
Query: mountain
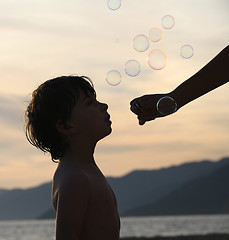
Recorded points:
(134,190)
(204,195)
(140,188)
(2,192)
(25,203)
(50,214)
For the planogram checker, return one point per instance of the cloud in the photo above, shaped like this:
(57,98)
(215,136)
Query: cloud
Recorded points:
(11,113)
(158,147)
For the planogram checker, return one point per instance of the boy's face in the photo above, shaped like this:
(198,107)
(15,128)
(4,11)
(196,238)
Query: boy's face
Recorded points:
(90,117)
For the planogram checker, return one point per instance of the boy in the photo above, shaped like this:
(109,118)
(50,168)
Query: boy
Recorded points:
(65,118)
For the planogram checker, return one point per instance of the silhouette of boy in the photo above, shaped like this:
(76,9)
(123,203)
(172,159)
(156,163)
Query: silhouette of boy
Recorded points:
(65,119)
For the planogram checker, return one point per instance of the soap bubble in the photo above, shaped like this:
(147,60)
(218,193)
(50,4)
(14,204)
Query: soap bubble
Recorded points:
(114,4)
(155,34)
(166,105)
(167,21)
(186,51)
(113,78)
(132,68)
(141,43)
(157,59)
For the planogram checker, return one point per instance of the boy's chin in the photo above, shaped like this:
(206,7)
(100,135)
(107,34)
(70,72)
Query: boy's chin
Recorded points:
(107,134)
(110,131)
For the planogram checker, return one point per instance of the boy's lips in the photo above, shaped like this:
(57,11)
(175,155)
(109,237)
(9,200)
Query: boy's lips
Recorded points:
(108,118)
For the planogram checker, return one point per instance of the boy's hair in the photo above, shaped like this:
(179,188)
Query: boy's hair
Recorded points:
(51,102)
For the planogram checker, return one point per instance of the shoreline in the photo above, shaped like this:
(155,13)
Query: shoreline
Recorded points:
(213,236)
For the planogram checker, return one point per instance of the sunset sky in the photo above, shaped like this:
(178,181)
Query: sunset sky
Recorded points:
(43,39)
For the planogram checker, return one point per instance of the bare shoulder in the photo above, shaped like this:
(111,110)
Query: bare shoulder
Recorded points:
(71,196)
(85,204)
(69,182)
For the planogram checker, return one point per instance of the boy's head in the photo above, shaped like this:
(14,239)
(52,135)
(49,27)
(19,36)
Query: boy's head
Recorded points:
(53,102)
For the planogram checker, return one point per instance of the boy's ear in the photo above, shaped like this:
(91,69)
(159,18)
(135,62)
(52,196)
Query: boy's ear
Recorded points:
(65,128)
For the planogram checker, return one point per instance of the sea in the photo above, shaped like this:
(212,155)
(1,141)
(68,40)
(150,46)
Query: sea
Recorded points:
(130,227)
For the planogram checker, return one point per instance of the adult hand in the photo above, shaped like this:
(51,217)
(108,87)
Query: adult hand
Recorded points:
(211,76)
(145,107)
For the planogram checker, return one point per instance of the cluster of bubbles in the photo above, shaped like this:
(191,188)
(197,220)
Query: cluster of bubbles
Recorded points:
(156,58)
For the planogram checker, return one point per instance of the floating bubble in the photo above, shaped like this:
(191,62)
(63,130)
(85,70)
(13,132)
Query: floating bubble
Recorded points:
(114,4)
(132,68)
(113,78)
(166,105)
(141,43)
(167,21)
(155,34)
(157,59)
(186,51)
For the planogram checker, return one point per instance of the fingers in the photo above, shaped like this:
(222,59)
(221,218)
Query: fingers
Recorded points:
(134,109)
(142,113)
(141,122)
(134,106)
(143,119)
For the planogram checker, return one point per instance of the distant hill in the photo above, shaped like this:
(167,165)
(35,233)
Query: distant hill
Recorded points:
(133,191)
(2,191)
(50,214)
(204,195)
(140,188)
(25,203)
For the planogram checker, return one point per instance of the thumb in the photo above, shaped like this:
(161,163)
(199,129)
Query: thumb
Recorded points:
(141,122)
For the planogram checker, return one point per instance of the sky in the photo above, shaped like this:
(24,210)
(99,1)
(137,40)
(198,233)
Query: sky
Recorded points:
(43,39)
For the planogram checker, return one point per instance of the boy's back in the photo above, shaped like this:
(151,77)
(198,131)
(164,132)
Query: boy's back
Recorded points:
(87,202)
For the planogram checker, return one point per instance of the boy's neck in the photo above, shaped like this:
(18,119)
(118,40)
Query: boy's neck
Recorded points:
(80,153)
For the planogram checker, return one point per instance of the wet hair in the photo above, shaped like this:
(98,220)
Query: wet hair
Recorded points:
(51,102)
